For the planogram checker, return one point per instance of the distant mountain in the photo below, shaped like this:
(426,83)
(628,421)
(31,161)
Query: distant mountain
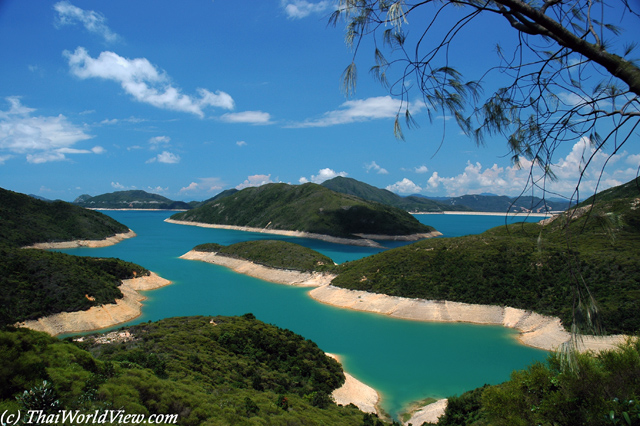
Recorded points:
(307,208)
(135,199)
(365,191)
(503,203)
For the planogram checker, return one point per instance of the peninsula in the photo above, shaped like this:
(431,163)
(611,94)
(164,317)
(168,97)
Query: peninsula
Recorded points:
(307,210)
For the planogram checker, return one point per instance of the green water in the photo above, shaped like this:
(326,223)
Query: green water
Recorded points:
(404,360)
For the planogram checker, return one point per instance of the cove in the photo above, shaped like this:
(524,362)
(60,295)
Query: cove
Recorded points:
(404,360)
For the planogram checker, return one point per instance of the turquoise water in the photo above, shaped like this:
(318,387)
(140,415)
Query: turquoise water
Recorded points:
(404,360)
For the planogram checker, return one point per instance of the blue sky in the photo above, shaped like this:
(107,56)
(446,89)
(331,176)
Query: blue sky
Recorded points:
(186,99)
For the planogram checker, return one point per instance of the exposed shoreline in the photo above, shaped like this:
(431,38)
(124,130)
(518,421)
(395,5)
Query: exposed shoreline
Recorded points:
(109,241)
(353,391)
(366,241)
(95,318)
(510,214)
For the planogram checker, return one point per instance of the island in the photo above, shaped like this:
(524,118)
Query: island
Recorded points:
(307,210)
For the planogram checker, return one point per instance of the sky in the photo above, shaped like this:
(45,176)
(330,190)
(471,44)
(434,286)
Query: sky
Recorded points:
(186,99)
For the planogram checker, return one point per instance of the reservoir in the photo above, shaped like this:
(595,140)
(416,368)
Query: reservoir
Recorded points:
(403,360)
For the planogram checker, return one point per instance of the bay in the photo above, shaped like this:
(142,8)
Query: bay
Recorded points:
(403,360)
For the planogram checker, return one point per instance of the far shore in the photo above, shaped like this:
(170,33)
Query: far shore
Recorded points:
(367,240)
(109,241)
(95,318)
(510,214)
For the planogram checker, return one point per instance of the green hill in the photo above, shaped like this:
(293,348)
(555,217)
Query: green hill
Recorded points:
(206,370)
(365,191)
(307,208)
(135,199)
(503,203)
(36,283)
(25,221)
(273,253)
(524,266)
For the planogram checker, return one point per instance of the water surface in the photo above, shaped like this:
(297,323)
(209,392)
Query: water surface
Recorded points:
(404,360)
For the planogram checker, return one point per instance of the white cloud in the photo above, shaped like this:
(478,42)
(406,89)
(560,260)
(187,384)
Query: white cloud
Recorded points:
(513,180)
(159,140)
(241,143)
(297,9)
(381,107)
(323,174)
(142,80)
(93,22)
(255,180)
(165,157)
(405,186)
(421,169)
(375,167)
(250,117)
(209,184)
(41,139)
(119,186)
(157,190)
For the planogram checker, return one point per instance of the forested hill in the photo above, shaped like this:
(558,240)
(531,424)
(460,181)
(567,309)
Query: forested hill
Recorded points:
(136,199)
(25,220)
(526,266)
(365,191)
(35,283)
(206,370)
(307,208)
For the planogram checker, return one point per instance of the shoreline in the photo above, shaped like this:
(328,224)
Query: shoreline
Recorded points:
(109,241)
(364,242)
(95,318)
(475,213)
(274,275)
(355,392)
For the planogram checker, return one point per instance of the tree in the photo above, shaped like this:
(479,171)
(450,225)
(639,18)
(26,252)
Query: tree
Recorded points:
(565,74)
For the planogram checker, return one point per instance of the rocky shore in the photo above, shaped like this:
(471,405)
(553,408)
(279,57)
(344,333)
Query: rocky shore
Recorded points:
(98,317)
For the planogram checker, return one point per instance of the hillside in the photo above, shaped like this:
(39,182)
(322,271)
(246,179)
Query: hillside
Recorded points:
(135,199)
(503,203)
(272,253)
(368,192)
(307,208)
(524,266)
(25,220)
(35,283)
(206,370)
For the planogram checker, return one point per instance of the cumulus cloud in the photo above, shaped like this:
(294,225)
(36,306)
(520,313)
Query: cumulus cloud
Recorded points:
(94,22)
(376,108)
(405,186)
(421,169)
(298,9)
(248,117)
(144,82)
(255,180)
(208,184)
(241,143)
(376,168)
(323,174)
(513,180)
(165,157)
(41,139)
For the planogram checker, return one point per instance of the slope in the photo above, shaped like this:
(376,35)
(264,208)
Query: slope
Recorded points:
(135,199)
(307,208)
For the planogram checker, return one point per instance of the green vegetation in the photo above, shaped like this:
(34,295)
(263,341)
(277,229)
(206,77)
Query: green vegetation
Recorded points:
(308,208)
(208,370)
(136,199)
(603,390)
(524,266)
(36,283)
(25,221)
(274,254)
